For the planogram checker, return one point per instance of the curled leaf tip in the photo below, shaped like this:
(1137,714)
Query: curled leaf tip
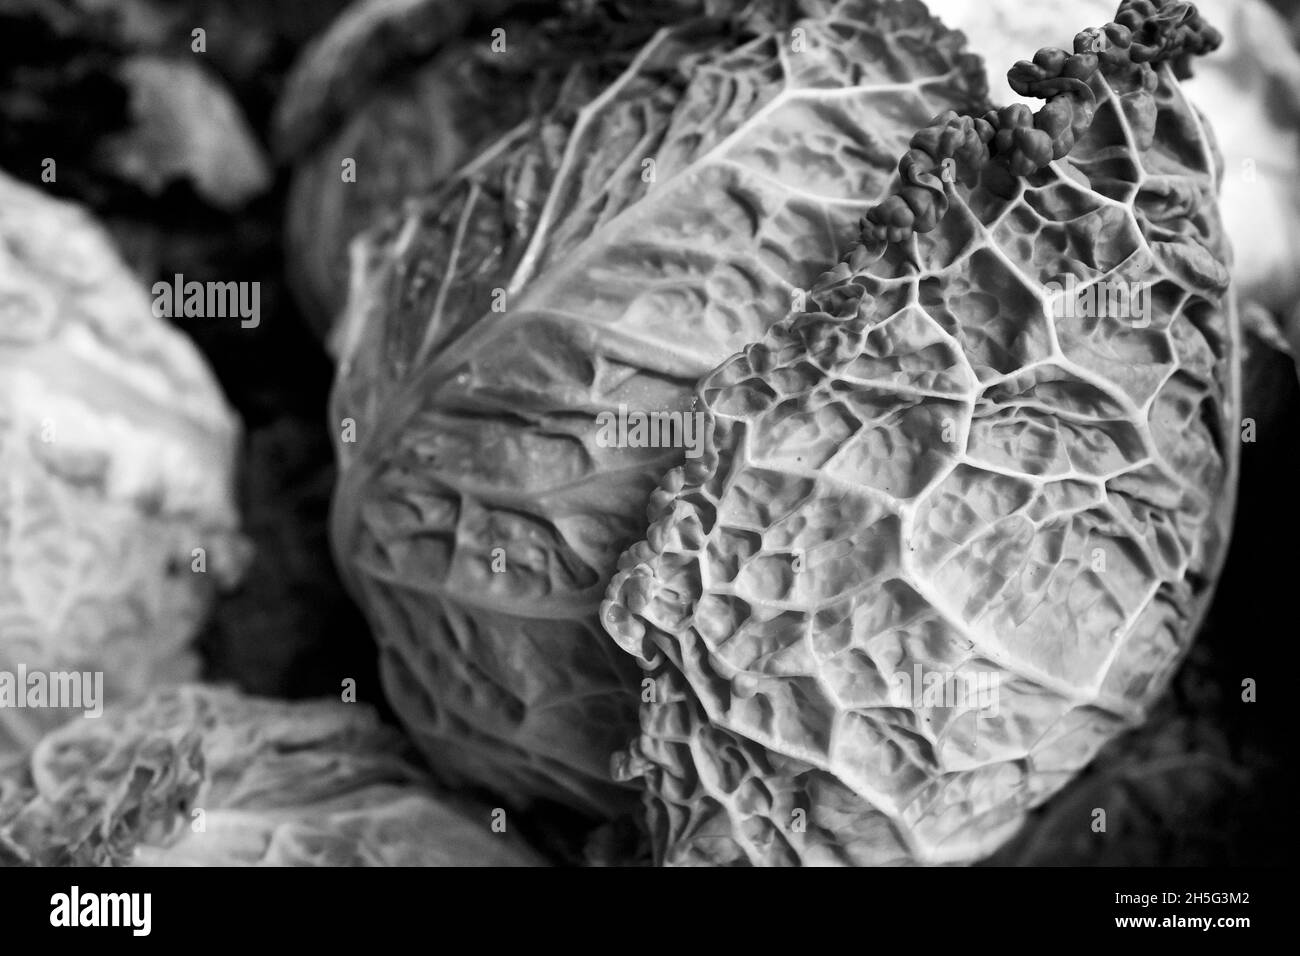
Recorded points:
(958,148)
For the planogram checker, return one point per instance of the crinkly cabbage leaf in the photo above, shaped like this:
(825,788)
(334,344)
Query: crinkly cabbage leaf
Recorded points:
(202,775)
(434,111)
(1249,91)
(955,526)
(607,255)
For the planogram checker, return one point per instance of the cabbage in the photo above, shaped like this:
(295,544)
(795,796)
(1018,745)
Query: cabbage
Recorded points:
(205,776)
(404,138)
(118,451)
(946,538)
(608,253)
(341,68)
(403,141)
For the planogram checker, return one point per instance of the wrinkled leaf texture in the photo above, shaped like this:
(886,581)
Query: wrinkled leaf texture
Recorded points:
(279,783)
(931,469)
(420,125)
(1183,786)
(476,429)
(1249,89)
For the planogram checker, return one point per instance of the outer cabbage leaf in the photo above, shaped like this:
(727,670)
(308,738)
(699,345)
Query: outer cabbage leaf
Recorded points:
(277,783)
(340,69)
(420,125)
(1182,787)
(116,450)
(477,514)
(937,481)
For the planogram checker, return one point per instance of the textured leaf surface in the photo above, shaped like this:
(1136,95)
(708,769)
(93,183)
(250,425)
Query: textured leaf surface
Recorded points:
(477,429)
(278,784)
(1249,90)
(419,126)
(1180,787)
(116,449)
(941,474)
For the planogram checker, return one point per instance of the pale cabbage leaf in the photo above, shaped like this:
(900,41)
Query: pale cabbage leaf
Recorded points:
(205,776)
(117,514)
(935,484)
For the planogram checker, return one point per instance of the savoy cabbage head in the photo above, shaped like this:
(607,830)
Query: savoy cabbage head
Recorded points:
(602,255)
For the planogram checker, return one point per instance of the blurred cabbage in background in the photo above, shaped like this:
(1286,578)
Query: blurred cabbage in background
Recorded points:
(117,450)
